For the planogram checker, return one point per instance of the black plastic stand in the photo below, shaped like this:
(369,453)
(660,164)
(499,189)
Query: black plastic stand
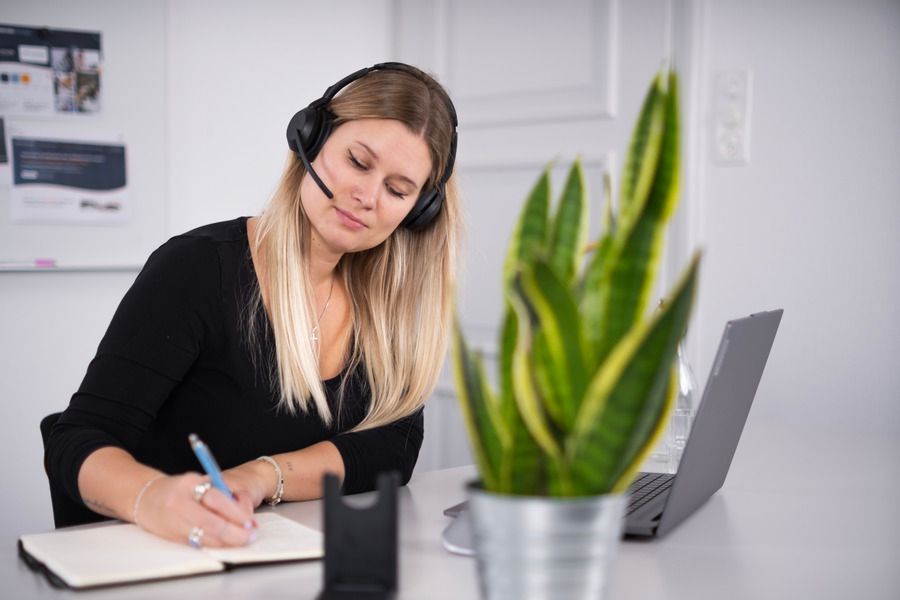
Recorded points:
(361,544)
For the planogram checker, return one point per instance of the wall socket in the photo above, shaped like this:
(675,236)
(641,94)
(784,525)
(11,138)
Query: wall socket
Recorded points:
(731,106)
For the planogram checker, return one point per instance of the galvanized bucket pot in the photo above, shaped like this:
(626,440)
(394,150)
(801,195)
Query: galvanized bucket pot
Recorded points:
(531,548)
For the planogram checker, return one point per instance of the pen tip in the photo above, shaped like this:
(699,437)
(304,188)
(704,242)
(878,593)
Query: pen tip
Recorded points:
(192,438)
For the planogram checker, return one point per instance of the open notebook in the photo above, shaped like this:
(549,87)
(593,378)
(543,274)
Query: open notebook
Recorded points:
(124,553)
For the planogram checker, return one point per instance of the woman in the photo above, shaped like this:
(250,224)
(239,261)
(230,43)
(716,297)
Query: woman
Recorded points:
(297,343)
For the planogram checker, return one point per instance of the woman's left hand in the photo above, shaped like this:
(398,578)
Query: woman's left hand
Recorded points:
(251,482)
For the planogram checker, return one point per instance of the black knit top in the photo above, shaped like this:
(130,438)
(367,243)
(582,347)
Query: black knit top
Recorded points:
(176,360)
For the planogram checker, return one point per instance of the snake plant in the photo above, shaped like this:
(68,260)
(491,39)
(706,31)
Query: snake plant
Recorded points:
(586,370)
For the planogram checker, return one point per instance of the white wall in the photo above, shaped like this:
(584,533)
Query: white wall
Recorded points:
(238,72)
(810,224)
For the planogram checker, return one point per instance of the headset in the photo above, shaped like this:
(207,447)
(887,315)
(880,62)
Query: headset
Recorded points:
(311,126)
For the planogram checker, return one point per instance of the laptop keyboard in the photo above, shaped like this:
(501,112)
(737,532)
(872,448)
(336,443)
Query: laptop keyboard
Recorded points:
(647,487)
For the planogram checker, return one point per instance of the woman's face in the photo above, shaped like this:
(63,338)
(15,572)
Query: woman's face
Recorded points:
(376,169)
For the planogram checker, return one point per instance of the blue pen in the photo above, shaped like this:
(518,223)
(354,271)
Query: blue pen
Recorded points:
(209,464)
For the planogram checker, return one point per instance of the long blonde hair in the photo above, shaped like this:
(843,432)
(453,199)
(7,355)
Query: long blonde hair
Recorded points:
(401,291)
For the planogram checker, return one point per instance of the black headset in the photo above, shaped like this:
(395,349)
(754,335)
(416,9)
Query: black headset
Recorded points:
(311,126)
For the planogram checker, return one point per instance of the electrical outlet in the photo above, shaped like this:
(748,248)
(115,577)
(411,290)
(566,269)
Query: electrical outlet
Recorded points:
(731,105)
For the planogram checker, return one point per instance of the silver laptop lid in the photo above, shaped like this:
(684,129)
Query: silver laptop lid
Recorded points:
(733,380)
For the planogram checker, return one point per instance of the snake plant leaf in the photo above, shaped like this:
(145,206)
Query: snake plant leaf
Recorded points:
(550,381)
(530,235)
(520,465)
(479,409)
(609,217)
(599,250)
(643,153)
(625,399)
(592,300)
(569,229)
(522,470)
(528,400)
(560,329)
(508,335)
(635,253)
(627,477)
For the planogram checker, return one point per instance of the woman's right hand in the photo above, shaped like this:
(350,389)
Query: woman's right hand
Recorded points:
(168,508)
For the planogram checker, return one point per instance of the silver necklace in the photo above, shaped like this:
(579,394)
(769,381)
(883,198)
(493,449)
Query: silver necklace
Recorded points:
(315,331)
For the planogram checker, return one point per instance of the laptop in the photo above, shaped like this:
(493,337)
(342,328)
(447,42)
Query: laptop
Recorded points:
(659,501)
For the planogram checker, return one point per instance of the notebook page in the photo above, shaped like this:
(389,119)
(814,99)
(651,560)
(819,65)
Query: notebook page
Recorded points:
(278,538)
(114,554)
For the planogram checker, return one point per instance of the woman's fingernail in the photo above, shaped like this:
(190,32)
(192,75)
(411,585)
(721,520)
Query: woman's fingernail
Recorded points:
(252,538)
(251,524)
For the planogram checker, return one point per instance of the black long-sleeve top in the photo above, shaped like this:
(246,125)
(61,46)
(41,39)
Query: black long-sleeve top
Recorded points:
(176,360)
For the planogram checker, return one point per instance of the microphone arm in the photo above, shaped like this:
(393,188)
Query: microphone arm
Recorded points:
(311,171)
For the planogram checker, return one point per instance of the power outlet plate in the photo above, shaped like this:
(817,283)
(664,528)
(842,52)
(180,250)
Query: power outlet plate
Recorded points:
(731,105)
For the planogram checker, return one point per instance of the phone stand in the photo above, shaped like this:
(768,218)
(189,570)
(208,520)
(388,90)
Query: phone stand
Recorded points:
(361,544)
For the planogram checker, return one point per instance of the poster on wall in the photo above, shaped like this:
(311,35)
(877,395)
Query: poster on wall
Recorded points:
(49,71)
(72,179)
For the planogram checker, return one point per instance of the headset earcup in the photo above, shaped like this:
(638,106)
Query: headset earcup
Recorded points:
(295,128)
(309,127)
(426,209)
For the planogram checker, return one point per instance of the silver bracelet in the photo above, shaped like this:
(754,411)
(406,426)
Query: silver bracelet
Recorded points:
(279,483)
(137,501)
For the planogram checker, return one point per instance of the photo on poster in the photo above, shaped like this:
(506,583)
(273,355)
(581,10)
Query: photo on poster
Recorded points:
(49,71)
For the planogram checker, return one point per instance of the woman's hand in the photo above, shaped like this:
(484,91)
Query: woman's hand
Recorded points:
(253,481)
(177,508)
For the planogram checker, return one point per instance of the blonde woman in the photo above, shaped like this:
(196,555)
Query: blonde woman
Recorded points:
(300,342)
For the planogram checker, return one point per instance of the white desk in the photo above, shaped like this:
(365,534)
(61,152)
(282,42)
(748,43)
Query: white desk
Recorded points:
(796,519)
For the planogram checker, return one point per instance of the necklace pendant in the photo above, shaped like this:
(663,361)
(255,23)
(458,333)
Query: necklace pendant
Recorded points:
(315,334)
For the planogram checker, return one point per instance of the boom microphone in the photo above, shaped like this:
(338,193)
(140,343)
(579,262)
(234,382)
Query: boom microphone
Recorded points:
(311,171)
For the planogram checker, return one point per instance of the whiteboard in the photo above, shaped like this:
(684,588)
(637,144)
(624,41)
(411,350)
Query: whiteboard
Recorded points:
(134,108)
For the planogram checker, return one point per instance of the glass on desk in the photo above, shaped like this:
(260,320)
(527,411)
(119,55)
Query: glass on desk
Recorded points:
(667,454)
(683,414)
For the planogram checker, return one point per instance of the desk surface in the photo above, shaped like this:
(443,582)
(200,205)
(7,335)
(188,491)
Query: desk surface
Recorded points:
(794,520)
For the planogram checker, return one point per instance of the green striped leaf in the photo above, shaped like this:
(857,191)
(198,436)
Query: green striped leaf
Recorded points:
(626,398)
(643,153)
(560,329)
(631,268)
(530,235)
(550,381)
(524,463)
(609,218)
(479,409)
(569,229)
(662,421)
(593,299)
(521,467)
(528,400)
(508,335)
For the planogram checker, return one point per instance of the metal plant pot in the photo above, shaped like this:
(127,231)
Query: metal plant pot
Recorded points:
(531,547)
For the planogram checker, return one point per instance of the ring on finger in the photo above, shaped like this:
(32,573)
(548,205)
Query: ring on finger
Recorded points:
(200,490)
(195,537)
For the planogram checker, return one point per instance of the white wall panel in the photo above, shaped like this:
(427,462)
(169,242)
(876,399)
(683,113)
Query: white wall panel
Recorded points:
(535,61)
